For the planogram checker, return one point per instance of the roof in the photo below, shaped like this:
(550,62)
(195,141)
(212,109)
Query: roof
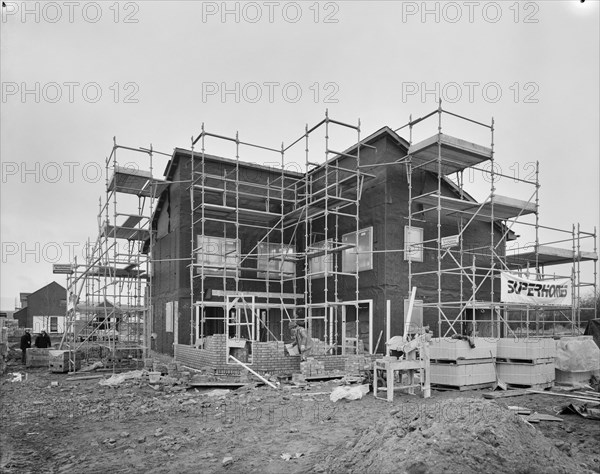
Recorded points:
(181,152)
(44,287)
(352,150)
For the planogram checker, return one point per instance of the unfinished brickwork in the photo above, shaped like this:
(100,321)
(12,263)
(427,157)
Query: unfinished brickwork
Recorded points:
(267,357)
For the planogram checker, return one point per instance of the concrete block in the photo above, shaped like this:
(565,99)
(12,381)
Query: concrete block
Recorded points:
(526,349)
(462,375)
(526,374)
(59,361)
(37,357)
(454,349)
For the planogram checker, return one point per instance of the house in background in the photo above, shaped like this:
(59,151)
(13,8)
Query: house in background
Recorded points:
(44,309)
(23,300)
(7,315)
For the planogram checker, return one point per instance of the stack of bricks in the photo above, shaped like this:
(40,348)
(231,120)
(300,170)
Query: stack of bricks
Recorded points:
(355,364)
(312,367)
(64,361)
(37,357)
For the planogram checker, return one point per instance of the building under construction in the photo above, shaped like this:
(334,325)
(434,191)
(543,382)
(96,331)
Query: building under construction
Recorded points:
(222,253)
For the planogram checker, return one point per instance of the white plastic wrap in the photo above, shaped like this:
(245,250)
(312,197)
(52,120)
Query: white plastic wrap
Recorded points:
(354,392)
(577,354)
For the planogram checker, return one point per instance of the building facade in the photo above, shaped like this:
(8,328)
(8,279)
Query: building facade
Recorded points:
(239,248)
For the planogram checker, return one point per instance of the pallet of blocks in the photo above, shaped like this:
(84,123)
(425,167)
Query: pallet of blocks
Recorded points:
(64,361)
(527,362)
(459,364)
(36,357)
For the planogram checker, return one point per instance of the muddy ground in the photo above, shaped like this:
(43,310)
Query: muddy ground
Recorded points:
(51,423)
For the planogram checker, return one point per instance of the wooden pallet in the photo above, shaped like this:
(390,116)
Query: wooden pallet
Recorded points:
(461,388)
(539,386)
(489,360)
(503,360)
(506,394)
(312,378)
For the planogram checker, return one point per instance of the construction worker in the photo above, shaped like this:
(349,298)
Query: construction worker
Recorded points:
(301,339)
(25,344)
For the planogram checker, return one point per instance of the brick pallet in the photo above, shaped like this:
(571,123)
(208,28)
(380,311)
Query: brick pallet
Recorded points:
(37,357)
(457,366)
(60,361)
(526,362)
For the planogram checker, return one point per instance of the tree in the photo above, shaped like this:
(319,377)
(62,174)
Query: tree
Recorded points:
(588,303)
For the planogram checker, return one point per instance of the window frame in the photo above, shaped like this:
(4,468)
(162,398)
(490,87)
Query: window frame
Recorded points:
(320,260)
(414,255)
(351,258)
(53,319)
(275,266)
(218,263)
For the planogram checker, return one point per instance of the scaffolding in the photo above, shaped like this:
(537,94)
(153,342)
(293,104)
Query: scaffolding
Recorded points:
(109,293)
(259,237)
(475,270)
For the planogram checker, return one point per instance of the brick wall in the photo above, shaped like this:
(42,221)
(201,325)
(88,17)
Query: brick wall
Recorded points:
(270,357)
(267,357)
(213,356)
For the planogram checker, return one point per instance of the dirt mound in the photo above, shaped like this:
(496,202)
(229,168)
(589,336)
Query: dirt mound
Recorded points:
(452,436)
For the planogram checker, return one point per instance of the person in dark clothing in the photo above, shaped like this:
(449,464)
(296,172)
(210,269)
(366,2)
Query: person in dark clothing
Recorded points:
(43,341)
(25,344)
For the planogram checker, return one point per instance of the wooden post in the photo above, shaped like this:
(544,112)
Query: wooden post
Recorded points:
(254,373)
(408,320)
(388,326)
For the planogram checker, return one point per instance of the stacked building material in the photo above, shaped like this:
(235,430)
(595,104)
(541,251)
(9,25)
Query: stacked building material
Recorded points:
(527,362)
(63,361)
(312,367)
(356,364)
(577,360)
(37,357)
(458,366)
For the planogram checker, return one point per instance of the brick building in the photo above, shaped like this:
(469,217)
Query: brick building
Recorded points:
(343,241)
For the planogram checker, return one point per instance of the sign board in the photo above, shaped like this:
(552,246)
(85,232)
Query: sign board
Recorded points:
(517,289)
(450,241)
(62,268)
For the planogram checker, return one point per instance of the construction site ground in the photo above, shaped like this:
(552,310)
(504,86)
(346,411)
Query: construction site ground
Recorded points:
(51,423)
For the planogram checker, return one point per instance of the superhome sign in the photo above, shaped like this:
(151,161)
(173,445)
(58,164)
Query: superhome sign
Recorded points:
(62,268)
(516,289)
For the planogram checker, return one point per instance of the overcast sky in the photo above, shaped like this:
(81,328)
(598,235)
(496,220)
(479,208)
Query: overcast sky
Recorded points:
(75,74)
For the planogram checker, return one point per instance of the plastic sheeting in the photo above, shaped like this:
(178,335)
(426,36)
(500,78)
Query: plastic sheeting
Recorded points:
(117,379)
(577,354)
(593,329)
(354,392)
